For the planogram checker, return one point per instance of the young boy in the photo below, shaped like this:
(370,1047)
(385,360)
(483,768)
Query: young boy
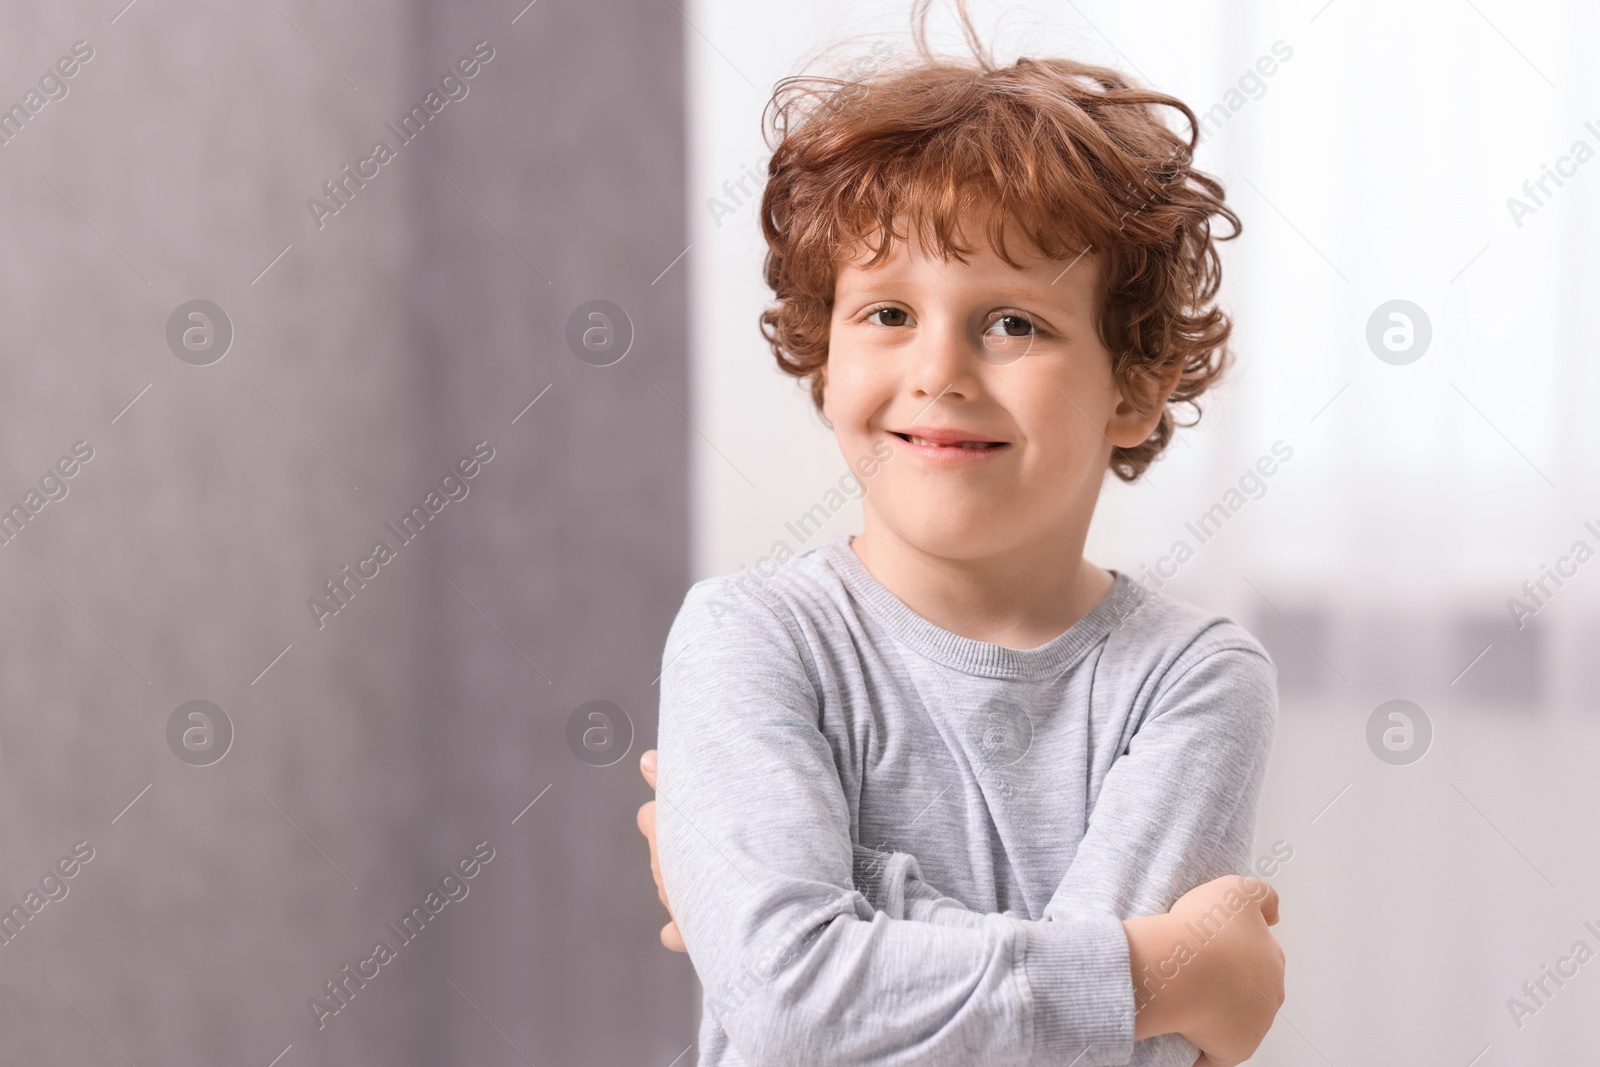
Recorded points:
(945,792)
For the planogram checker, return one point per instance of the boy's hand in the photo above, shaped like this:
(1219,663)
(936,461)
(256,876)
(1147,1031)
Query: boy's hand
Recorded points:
(1240,968)
(1222,986)
(647,826)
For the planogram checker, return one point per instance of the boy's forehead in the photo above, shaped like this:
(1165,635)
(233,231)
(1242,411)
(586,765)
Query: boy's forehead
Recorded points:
(915,244)
(913,256)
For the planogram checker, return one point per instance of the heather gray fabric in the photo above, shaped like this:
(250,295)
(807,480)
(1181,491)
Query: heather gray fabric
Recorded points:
(886,843)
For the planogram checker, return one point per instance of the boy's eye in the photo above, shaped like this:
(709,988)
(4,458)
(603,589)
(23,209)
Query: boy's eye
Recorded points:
(892,320)
(1012,326)
(1009,338)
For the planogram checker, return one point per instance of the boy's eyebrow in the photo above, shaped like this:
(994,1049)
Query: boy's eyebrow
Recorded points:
(1044,293)
(1040,294)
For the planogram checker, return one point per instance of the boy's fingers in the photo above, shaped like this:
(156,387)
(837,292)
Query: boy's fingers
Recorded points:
(647,826)
(1269,906)
(646,819)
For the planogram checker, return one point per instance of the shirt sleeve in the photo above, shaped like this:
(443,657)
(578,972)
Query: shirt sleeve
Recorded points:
(755,851)
(1177,809)
(892,882)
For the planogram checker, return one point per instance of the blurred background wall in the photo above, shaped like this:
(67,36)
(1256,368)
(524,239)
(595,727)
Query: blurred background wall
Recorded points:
(375,342)
(1373,151)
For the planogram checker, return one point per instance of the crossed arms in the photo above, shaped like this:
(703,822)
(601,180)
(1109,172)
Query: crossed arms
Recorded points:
(1150,921)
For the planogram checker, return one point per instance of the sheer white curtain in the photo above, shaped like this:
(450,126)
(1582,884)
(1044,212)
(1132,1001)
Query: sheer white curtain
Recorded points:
(1374,151)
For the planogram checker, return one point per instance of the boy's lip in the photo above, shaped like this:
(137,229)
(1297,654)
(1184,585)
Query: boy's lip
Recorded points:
(939,435)
(950,452)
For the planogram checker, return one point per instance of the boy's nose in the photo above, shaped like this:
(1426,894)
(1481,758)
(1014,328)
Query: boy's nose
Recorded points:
(945,362)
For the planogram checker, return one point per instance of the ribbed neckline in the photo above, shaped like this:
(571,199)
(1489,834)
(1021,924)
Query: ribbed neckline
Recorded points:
(967,654)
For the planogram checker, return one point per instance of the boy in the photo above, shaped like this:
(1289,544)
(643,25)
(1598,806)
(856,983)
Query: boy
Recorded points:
(997,282)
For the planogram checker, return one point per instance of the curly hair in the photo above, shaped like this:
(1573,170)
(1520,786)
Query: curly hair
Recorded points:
(1074,154)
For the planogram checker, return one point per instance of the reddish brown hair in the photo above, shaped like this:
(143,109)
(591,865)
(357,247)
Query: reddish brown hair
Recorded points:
(1074,154)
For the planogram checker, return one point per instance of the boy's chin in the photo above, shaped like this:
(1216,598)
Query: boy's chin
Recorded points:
(954,533)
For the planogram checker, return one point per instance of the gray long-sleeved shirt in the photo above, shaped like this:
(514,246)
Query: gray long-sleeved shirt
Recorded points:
(886,843)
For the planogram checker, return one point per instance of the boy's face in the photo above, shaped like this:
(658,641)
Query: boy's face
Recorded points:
(1004,356)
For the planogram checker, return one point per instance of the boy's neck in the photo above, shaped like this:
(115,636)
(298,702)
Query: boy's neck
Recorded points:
(1021,599)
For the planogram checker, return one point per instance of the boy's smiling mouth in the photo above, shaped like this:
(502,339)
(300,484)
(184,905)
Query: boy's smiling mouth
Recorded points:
(947,444)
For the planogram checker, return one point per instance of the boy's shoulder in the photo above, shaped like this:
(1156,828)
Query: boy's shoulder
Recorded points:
(1158,617)
(785,584)
(1160,638)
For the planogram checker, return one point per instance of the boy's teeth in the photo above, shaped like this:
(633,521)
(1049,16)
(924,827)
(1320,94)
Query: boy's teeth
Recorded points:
(956,444)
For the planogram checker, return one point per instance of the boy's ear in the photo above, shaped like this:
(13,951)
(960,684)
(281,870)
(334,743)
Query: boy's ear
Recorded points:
(1135,419)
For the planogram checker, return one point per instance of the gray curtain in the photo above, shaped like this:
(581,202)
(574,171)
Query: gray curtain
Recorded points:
(379,738)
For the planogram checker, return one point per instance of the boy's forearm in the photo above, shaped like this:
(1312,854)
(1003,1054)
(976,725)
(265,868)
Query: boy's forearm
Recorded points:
(1163,1003)
(892,881)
